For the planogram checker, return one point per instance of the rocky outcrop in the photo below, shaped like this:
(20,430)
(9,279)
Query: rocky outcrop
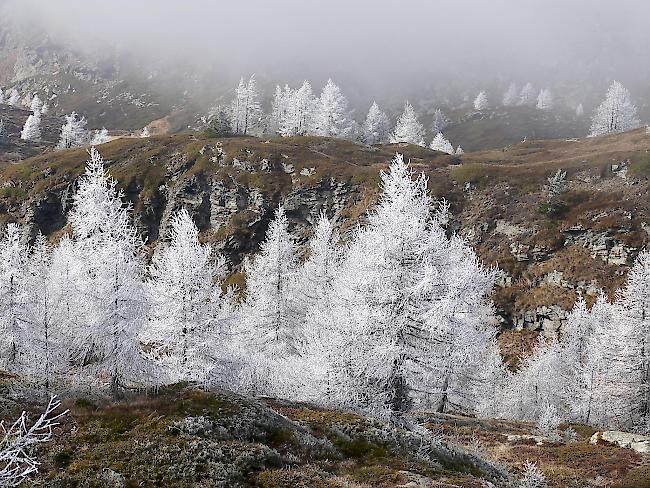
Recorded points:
(547,319)
(636,442)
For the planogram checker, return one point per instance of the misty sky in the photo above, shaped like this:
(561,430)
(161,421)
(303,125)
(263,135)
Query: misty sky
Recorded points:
(372,43)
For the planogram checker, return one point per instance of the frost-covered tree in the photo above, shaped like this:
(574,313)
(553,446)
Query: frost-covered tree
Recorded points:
(316,275)
(19,441)
(540,381)
(270,315)
(109,269)
(580,111)
(187,303)
(544,99)
(615,114)
(533,477)
(459,151)
(634,302)
(43,317)
(280,108)
(408,128)
(14,98)
(376,127)
(440,143)
(2,96)
(293,110)
(511,96)
(73,132)
(45,109)
(557,184)
(331,114)
(410,309)
(245,112)
(440,121)
(145,133)
(13,258)
(481,101)
(36,105)
(303,109)
(32,128)
(527,95)
(100,137)
(218,120)
(3,131)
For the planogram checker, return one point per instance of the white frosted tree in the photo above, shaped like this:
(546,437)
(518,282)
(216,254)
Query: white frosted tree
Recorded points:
(634,302)
(3,131)
(145,133)
(316,275)
(73,132)
(376,127)
(331,114)
(66,280)
(615,114)
(410,310)
(440,143)
(270,317)
(459,151)
(533,477)
(440,121)
(32,128)
(580,111)
(544,99)
(511,96)
(100,137)
(108,254)
(36,105)
(293,110)
(13,259)
(543,379)
(187,303)
(527,95)
(42,317)
(302,110)
(45,109)
(19,441)
(280,109)
(408,128)
(14,98)
(245,109)
(557,184)
(2,96)
(481,101)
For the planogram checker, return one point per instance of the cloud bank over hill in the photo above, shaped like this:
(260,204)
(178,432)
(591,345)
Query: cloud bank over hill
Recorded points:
(376,45)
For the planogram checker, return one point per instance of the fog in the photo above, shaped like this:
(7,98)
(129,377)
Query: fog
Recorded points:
(369,46)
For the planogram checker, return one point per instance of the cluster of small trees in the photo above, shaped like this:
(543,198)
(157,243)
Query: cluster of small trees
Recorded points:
(73,131)
(299,112)
(616,113)
(527,96)
(396,317)
(598,372)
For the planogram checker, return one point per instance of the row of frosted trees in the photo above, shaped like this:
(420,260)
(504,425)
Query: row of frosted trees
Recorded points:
(396,317)
(598,371)
(300,112)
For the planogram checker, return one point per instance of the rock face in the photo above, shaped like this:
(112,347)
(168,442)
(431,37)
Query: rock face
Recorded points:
(636,442)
